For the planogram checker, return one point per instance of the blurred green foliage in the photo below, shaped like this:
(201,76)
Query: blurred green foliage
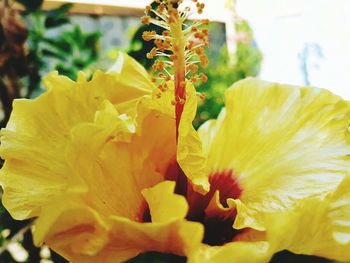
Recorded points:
(67,51)
(225,69)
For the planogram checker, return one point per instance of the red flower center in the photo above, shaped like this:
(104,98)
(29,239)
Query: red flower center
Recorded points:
(218,226)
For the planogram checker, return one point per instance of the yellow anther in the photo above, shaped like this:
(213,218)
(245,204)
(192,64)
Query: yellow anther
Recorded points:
(190,45)
(205,21)
(167,44)
(194,79)
(204,60)
(165,87)
(203,77)
(181,101)
(199,51)
(148,35)
(200,7)
(148,9)
(146,20)
(158,65)
(152,53)
(202,96)
(194,29)
(193,68)
(173,57)
(161,8)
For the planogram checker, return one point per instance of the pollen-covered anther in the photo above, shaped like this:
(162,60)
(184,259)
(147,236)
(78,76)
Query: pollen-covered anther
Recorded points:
(199,51)
(200,7)
(200,35)
(180,100)
(205,22)
(173,57)
(158,65)
(193,68)
(205,31)
(161,8)
(163,87)
(204,60)
(158,95)
(152,53)
(148,9)
(201,96)
(190,45)
(148,35)
(146,20)
(203,77)
(194,29)
(194,79)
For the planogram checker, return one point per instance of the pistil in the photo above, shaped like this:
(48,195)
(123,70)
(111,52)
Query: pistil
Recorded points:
(179,49)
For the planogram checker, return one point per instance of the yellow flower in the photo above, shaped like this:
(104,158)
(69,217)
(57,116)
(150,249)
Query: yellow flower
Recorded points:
(113,167)
(84,158)
(92,161)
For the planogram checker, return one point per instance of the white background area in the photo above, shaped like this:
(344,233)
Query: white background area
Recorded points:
(282,28)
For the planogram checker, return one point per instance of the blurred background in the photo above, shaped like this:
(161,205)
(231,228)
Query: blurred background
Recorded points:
(299,42)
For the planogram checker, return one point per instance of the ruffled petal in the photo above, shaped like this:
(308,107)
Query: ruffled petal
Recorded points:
(339,213)
(164,205)
(176,237)
(35,141)
(309,229)
(254,252)
(283,144)
(70,227)
(190,154)
(78,141)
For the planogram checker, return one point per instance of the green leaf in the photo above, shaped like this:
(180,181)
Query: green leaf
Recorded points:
(58,17)
(53,54)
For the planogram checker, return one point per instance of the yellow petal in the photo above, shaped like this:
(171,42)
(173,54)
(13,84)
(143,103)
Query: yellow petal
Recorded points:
(176,236)
(38,133)
(189,151)
(339,213)
(70,227)
(309,229)
(129,238)
(164,205)
(252,252)
(283,144)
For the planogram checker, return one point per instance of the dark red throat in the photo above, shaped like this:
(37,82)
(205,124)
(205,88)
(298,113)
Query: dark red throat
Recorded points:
(218,227)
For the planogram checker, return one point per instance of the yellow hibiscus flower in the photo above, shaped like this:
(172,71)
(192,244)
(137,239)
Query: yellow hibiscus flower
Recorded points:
(111,167)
